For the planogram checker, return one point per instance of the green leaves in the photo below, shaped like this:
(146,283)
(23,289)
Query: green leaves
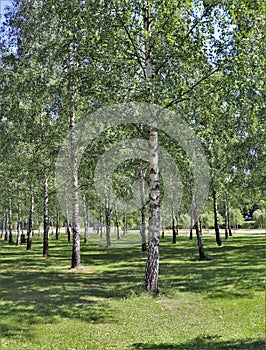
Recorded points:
(208,64)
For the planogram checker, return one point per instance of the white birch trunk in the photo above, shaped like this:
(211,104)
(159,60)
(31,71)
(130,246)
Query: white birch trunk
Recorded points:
(86,220)
(143,219)
(46,219)
(19,221)
(152,264)
(30,224)
(75,262)
(10,239)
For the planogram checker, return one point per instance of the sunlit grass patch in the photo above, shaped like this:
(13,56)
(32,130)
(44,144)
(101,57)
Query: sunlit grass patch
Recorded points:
(213,304)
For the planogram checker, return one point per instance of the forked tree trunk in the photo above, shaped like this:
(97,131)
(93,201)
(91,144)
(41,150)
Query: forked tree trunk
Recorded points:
(46,219)
(30,223)
(143,210)
(215,212)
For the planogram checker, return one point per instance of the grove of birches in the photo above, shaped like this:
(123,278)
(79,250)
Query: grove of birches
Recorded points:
(61,61)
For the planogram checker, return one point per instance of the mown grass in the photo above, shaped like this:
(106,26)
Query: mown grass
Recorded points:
(213,304)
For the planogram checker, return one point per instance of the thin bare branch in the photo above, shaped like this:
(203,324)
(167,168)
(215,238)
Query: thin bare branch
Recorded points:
(198,20)
(142,133)
(136,51)
(181,98)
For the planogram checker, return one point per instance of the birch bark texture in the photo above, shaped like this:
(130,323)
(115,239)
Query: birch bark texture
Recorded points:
(75,261)
(143,209)
(30,224)
(152,263)
(46,219)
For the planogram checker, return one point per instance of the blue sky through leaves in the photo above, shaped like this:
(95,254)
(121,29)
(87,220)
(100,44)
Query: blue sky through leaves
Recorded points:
(3,4)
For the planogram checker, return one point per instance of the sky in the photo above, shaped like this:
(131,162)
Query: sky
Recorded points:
(3,4)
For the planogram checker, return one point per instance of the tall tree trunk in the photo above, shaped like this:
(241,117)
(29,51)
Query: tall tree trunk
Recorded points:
(10,238)
(3,226)
(23,227)
(75,261)
(6,224)
(198,227)
(39,226)
(173,226)
(57,228)
(108,223)
(190,183)
(152,264)
(46,219)
(191,233)
(67,226)
(125,228)
(229,218)
(177,222)
(143,209)
(86,220)
(117,224)
(226,220)
(19,221)
(163,223)
(101,222)
(30,223)
(215,212)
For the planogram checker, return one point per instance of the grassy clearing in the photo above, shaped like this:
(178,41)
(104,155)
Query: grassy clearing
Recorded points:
(214,304)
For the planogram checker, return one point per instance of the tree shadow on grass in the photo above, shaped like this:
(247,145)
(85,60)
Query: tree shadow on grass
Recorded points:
(206,343)
(36,290)
(38,298)
(235,269)
(32,292)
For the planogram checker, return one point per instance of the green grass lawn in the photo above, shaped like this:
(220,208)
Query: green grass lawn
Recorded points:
(213,304)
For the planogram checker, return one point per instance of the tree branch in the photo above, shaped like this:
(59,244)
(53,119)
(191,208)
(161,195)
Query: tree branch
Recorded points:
(198,20)
(138,56)
(162,26)
(142,133)
(181,98)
